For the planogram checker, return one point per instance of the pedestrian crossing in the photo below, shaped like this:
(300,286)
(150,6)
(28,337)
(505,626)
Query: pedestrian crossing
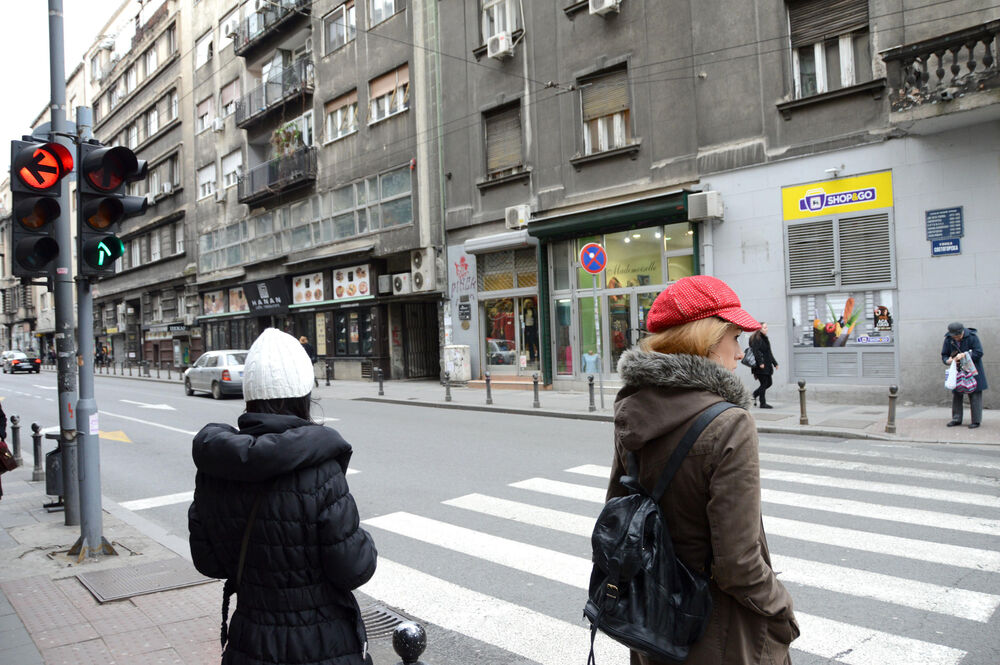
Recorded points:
(892,559)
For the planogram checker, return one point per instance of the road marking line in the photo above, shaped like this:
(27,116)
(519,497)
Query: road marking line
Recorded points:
(158,501)
(593,470)
(44,387)
(147,422)
(857,645)
(147,405)
(972,605)
(529,634)
(894,455)
(874,468)
(926,518)
(557,566)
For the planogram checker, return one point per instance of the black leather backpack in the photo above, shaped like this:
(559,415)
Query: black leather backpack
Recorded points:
(640,594)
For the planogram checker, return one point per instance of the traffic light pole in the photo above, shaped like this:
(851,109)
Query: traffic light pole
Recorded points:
(92,542)
(62,276)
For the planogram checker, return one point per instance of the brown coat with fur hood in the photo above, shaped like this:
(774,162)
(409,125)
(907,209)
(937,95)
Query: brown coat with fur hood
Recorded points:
(712,506)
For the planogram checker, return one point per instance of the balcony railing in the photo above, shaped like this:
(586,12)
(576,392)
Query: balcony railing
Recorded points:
(289,84)
(278,175)
(944,68)
(272,15)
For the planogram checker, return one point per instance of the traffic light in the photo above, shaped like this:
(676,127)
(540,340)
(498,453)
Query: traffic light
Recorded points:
(36,169)
(103,177)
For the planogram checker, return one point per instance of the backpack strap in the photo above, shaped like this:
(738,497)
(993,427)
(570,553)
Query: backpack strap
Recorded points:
(674,463)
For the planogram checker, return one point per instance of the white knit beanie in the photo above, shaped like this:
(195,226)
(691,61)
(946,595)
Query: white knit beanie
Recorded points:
(276,367)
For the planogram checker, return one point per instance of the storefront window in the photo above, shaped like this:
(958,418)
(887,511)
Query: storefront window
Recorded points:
(844,320)
(496,271)
(584,280)
(498,318)
(634,258)
(588,330)
(561,327)
(526,268)
(561,265)
(678,248)
(354,332)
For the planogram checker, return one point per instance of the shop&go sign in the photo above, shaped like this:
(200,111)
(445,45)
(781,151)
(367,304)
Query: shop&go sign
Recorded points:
(833,197)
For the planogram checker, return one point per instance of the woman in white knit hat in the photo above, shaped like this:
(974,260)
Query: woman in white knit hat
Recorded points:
(272,516)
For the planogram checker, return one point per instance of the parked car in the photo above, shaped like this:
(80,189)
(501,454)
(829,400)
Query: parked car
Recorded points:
(219,373)
(18,361)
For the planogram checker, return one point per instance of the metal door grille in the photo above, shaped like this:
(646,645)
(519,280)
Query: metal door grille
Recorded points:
(420,340)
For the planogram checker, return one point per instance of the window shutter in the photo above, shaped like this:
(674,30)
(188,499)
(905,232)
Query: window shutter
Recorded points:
(604,95)
(812,21)
(386,83)
(231,92)
(865,250)
(343,100)
(811,255)
(503,140)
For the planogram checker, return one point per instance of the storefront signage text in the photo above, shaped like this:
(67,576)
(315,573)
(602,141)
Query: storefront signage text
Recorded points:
(866,192)
(352,282)
(308,288)
(946,246)
(269,296)
(944,223)
(867,339)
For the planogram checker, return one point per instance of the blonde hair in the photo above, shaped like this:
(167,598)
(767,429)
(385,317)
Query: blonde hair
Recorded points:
(694,338)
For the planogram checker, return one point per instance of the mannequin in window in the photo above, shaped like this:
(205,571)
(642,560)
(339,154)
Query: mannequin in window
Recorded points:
(530,329)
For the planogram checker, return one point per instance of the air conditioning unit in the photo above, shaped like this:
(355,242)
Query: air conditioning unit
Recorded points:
(309,45)
(517,216)
(107,44)
(602,7)
(220,195)
(218,124)
(500,46)
(422,269)
(401,283)
(150,198)
(167,187)
(232,30)
(704,205)
(384,284)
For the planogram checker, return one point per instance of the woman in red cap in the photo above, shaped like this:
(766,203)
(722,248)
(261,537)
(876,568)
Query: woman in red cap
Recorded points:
(712,505)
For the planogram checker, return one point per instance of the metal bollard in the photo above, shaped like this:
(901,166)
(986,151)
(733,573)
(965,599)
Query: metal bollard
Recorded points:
(15,437)
(447,386)
(157,370)
(803,419)
(146,368)
(590,387)
(38,472)
(130,369)
(381,378)
(489,389)
(168,372)
(890,424)
(409,641)
(534,379)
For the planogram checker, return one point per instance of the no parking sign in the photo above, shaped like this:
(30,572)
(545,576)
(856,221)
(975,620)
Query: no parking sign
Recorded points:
(593,258)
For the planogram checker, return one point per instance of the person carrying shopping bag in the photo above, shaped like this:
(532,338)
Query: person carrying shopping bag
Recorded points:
(962,344)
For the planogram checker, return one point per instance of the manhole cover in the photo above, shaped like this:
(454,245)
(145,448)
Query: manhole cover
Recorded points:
(120,583)
(380,621)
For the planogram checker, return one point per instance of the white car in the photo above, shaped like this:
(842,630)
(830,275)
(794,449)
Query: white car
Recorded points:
(219,373)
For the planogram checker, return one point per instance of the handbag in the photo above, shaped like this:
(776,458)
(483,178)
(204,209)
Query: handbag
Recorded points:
(748,358)
(965,382)
(7,461)
(951,376)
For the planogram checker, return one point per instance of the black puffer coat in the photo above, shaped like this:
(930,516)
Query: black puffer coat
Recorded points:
(306,552)
(761,347)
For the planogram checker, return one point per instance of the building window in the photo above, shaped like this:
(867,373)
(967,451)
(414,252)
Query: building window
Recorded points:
(131,79)
(152,121)
(342,116)
(178,236)
(173,170)
(605,103)
(830,45)
(230,94)
(389,94)
(498,16)
(231,165)
(95,68)
(171,38)
(304,123)
(378,202)
(154,181)
(151,61)
(135,253)
(173,105)
(230,24)
(380,10)
(133,136)
(154,245)
(206,181)
(203,114)
(341,26)
(203,50)
(503,141)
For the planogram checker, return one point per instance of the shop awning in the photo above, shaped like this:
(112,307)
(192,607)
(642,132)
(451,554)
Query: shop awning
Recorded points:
(362,249)
(667,208)
(500,241)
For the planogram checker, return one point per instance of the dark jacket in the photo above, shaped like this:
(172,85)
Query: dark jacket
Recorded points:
(306,552)
(310,351)
(712,506)
(761,347)
(969,343)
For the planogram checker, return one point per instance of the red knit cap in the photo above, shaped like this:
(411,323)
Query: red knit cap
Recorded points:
(694,298)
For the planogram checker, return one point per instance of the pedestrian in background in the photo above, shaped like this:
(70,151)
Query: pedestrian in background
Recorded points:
(764,366)
(712,506)
(960,342)
(311,352)
(3,438)
(294,567)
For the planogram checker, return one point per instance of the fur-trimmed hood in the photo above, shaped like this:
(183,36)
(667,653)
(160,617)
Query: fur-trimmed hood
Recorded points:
(664,391)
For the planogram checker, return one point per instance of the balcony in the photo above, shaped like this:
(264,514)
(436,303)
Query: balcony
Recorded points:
(945,82)
(291,171)
(255,30)
(290,85)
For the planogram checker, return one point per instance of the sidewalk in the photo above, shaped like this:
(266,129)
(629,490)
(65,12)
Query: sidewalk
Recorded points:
(862,420)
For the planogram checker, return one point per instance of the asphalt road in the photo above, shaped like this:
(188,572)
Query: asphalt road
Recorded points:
(892,552)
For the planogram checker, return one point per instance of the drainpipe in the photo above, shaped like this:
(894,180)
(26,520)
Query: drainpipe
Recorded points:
(544,304)
(708,247)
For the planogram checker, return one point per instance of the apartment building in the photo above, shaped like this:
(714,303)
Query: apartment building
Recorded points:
(827,159)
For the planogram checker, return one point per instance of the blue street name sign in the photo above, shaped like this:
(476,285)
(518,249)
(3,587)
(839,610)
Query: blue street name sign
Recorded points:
(946,246)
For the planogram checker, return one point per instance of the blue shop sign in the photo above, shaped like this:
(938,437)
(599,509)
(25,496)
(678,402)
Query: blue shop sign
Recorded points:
(944,223)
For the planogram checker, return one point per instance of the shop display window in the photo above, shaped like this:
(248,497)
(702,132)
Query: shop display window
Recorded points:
(634,258)
(584,280)
(844,320)
(562,330)
(354,332)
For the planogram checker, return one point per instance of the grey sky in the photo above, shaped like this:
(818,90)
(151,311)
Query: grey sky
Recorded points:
(24,51)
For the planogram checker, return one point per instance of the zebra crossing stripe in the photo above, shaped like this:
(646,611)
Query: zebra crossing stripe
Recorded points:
(926,518)
(864,541)
(971,605)
(856,645)
(895,455)
(557,566)
(519,630)
(158,501)
(863,467)
(897,489)
(593,470)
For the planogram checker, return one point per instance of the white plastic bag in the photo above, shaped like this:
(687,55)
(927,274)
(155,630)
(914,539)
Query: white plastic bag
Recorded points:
(951,378)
